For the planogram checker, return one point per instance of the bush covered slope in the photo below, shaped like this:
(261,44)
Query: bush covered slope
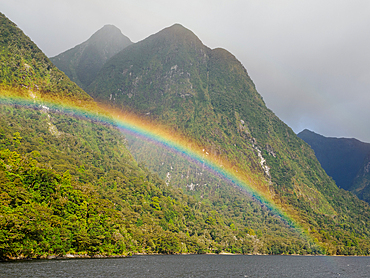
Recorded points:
(207,95)
(69,184)
(24,66)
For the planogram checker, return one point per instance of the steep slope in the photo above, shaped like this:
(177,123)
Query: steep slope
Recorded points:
(361,183)
(344,159)
(207,95)
(82,63)
(26,70)
(41,210)
(69,185)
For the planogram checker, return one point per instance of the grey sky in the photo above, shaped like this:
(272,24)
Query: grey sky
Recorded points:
(309,59)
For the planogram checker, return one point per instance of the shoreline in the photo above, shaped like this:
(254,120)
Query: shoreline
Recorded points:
(63,257)
(86,256)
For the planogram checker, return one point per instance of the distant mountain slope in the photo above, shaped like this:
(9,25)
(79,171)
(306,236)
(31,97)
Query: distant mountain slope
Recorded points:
(344,159)
(361,183)
(83,62)
(206,95)
(24,67)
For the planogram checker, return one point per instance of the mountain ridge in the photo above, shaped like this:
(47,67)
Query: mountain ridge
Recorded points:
(70,186)
(25,69)
(91,54)
(208,96)
(205,96)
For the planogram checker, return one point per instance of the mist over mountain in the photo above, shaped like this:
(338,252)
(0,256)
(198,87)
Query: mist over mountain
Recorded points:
(82,63)
(346,160)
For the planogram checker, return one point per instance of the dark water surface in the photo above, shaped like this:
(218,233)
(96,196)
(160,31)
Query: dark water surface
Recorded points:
(193,266)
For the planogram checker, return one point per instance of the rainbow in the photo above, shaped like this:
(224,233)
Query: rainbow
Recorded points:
(162,136)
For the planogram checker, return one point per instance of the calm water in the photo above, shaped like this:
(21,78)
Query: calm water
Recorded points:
(193,266)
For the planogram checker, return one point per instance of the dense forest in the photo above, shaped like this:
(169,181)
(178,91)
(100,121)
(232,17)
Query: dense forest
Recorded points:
(122,208)
(70,186)
(207,95)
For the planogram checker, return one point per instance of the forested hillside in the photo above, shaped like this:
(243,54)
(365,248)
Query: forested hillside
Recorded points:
(78,187)
(206,94)
(25,70)
(69,184)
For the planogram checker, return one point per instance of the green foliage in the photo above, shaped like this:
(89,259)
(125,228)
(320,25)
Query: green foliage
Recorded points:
(42,212)
(207,95)
(23,65)
(76,189)
(70,185)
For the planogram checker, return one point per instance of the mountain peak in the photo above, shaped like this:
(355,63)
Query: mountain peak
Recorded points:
(109,28)
(82,63)
(177,33)
(109,32)
(307,132)
(177,27)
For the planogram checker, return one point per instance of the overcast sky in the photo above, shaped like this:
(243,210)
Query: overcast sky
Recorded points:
(309,59)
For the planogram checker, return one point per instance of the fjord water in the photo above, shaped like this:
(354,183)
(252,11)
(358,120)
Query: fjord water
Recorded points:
(193,266)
